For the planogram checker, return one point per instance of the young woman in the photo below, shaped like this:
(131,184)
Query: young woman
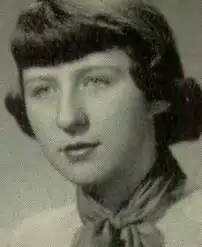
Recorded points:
(102,90)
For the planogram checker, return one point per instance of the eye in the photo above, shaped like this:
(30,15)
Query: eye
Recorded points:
(40,91)
(97,80)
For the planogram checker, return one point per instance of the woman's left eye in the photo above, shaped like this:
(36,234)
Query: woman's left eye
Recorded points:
(100,81)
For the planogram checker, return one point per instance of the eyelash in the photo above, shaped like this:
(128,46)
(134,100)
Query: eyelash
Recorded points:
(39,90)
(96,80)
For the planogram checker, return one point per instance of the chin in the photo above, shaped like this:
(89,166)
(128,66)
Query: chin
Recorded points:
(84,179)
(83,173)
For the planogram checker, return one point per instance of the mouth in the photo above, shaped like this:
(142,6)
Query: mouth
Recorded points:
(79,151)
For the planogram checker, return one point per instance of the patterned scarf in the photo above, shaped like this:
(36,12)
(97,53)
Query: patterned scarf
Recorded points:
(133,225)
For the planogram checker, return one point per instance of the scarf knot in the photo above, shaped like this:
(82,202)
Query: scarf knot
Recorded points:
(115,222)
(131,226)
(111,232)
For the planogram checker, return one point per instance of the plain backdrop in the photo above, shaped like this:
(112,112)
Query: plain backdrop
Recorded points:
(27,183)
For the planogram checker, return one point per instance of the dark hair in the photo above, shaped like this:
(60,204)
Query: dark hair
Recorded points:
(56,31)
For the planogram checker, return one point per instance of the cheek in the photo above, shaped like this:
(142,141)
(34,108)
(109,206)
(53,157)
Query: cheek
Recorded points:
(40,117)
(125,125)
(120,114)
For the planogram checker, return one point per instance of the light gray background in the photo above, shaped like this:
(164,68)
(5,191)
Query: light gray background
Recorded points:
(27,183)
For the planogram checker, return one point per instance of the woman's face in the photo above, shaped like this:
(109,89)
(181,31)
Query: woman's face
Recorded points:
(88,116)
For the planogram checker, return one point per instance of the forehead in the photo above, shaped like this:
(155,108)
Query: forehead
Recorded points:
(111,58)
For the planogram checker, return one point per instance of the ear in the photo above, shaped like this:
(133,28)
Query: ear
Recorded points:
(157,106)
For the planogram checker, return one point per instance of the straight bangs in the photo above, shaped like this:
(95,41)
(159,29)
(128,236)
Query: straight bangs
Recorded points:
(44,37)
(51,33)
(47,35)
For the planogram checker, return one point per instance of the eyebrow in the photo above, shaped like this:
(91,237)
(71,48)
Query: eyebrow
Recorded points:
(48,78)
(34,76)
(89,69)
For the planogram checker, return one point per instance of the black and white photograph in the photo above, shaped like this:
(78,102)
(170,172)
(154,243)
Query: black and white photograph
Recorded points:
(101,122)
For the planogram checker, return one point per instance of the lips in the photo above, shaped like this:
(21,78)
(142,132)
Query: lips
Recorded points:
(79,151)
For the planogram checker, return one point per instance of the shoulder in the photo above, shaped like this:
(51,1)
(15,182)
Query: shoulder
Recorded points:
(52,228)
(182,223)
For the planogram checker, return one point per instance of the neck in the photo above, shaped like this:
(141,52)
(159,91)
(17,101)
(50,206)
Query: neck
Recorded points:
(112,193)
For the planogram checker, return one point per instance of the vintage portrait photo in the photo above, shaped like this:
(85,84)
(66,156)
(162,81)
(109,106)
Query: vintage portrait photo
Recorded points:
(101,105)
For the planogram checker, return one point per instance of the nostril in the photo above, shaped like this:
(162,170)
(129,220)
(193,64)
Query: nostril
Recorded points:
(75,127)
(73,123)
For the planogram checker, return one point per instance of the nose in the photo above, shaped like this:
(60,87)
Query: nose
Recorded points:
(71,116)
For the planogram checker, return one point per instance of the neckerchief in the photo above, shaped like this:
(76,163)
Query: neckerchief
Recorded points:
(133,225)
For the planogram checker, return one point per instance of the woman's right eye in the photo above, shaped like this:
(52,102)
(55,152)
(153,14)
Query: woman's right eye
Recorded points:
(42,91)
